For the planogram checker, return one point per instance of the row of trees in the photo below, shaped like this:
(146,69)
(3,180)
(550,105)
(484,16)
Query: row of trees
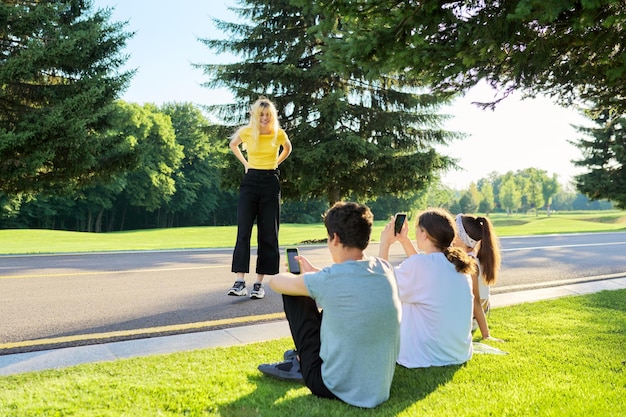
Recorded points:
(182,166)
(175,182)
(359,85)
(572,51)
(523,191)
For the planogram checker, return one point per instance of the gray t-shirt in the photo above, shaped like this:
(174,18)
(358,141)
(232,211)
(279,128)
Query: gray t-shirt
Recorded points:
(360,333)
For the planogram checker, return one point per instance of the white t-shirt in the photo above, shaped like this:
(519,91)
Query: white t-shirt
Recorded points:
(437,311)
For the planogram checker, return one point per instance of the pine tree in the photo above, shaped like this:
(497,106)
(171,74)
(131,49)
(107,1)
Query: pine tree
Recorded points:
(59,76)
(604,157)
(351,136)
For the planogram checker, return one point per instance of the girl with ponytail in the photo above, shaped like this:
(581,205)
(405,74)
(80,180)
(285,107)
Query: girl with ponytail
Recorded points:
(435,289)
(477,237)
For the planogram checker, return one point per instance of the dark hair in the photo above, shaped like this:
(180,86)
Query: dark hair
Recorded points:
(481,230)
(440,227)
(352,222)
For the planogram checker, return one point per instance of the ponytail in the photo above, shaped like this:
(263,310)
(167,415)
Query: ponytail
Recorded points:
(489,251)
(462,262)
(439,225)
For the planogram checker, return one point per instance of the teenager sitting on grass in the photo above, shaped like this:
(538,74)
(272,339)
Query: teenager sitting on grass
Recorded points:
(435,289)
(477,237)
(349,352)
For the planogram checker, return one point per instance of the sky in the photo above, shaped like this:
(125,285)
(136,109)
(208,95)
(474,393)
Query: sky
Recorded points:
(518,134)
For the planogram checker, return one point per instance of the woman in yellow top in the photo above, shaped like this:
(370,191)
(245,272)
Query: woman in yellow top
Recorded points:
(267,145)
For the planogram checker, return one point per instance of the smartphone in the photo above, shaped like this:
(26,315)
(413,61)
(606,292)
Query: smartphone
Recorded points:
(293,264)
(397,226)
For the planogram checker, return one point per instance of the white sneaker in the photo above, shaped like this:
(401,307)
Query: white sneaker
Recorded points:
(257,291)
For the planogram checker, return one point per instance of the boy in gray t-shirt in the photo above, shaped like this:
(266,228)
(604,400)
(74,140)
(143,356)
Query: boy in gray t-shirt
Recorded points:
(350,350)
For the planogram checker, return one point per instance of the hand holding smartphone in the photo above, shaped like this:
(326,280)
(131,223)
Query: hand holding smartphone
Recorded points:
(399,222)
(292,264)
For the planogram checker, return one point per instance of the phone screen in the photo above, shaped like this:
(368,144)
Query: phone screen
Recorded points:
(294,265)
(400,217)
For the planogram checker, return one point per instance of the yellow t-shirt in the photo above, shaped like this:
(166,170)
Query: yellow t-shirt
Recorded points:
(262,154)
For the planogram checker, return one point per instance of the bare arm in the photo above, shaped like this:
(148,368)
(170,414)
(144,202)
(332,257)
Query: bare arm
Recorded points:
(387,238)
(289,284)
(234,147)
(405,241)
(284,153)
(292,284)
(479,313)
(407,245)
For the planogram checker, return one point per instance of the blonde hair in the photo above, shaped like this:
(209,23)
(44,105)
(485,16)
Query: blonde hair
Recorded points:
(262,103)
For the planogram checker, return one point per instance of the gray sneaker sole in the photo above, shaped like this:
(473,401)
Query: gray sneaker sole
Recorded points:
(272,371)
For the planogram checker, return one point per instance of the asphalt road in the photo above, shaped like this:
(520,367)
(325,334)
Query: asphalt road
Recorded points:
(62,300)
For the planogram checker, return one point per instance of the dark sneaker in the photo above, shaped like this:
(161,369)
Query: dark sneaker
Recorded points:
(290,354)
(239,289)
(257,291)
(286,371)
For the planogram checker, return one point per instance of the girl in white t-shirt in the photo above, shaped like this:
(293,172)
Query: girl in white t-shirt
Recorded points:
(477,237)
(435,289)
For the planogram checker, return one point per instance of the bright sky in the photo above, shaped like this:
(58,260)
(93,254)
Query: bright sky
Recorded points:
(517,135)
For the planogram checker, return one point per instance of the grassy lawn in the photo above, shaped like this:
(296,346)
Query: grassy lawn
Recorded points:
(566,358)
(23,241)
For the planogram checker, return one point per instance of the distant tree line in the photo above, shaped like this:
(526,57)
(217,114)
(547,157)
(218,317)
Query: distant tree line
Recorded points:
(362,114)
(179,182)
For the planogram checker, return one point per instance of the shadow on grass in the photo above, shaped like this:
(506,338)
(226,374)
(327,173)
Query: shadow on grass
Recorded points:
(278,398)
(617,219)
(413,385)
(509,222)
(268,399)
(612,300)
(615,324)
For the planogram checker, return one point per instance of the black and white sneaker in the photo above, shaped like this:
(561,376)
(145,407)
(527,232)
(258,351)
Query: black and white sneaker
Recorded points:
(239,289)
(257,291)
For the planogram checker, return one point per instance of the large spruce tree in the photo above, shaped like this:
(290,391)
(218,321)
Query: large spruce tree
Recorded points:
(351,136)
(604,156)
(59,63)
(571,50)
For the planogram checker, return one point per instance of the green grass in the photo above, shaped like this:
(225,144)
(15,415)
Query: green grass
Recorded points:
(22,241)
(570,222)
(566,358)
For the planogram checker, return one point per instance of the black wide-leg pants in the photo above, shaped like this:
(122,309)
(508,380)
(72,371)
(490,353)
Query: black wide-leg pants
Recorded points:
(305,321)
(259,199)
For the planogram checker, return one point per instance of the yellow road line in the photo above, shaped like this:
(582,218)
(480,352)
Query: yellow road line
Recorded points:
(124,271)
(137,332)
